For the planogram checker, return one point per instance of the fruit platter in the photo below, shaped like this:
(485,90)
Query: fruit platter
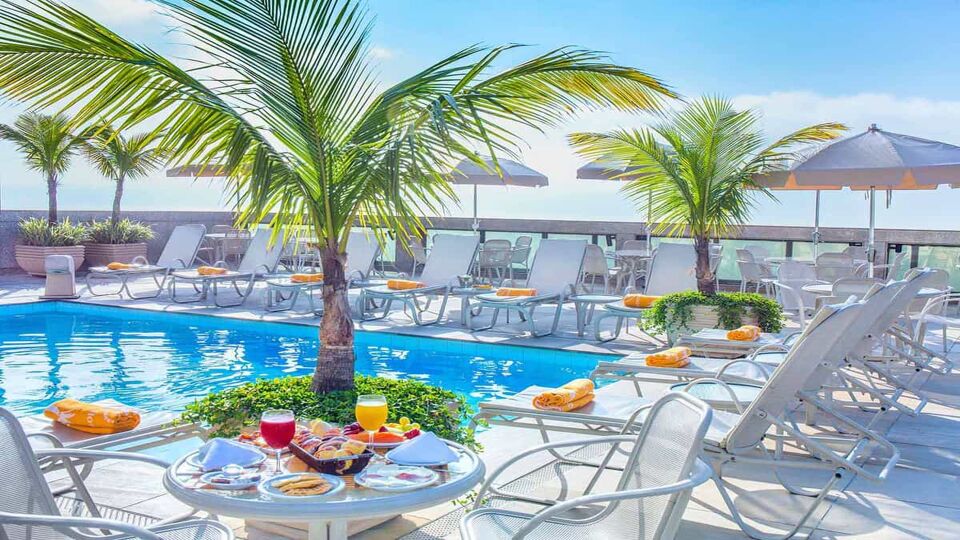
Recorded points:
(390,435)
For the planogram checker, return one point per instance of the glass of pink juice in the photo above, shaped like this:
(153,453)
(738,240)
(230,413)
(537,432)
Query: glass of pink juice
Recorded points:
(277,427)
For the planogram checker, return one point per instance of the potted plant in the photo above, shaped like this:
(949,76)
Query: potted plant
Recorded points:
(695,174)
(38,238)
(687,312)
(48,145)
(119,158)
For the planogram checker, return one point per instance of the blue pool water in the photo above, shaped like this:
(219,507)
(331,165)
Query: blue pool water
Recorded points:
(164,361)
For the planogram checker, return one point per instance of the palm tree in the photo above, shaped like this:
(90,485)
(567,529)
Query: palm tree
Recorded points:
(282,97)
(47,144)
(696,169)
(121,159)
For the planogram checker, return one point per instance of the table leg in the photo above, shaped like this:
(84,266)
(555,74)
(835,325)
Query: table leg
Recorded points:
(580,318)
(327,530)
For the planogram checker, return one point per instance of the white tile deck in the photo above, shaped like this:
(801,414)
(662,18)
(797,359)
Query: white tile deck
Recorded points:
(919,500)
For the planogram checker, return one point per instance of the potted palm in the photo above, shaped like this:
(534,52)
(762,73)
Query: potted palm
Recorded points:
(695,174)
(120,159)
(48,145)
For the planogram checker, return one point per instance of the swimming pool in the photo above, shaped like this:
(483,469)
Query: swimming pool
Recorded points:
(162,361)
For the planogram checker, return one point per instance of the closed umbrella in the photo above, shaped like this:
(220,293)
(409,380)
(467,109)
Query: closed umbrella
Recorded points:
(604,170)
(878,159)
(510,173)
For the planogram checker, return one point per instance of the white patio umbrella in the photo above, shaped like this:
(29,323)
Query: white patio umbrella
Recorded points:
(513,174)
(878,159)
(603,170)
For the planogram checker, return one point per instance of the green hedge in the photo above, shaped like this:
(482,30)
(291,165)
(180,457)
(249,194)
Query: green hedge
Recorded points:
(435,409)
(675,310)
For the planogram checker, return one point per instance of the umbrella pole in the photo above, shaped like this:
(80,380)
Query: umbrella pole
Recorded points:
(816,227)
(871,232)
(476,222)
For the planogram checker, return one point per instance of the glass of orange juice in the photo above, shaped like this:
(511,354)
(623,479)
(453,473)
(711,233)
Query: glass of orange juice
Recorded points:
(371,413)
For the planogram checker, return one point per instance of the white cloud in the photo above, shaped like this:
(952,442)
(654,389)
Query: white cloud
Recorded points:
(117,12)
(382,53)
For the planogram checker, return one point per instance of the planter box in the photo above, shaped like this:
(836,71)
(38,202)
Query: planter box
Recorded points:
(31,258)
(703,317)
(104,254)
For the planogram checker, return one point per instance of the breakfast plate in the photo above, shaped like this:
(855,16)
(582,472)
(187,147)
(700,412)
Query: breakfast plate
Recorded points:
(304,486)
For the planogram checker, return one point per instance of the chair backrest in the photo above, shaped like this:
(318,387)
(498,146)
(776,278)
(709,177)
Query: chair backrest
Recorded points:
(795,275)
(716,256)
(362,252)
(850,286)
(595,261)
(749,268)
(521,250)
(262,256)
(915,281)
(638,245)
(452,256)
(556,266)
(760,253)
(495,253)
(23,489)
(833,266)
(818,341)
(855,252)
(665,452)
(417,250)
(673,269)
(182,246)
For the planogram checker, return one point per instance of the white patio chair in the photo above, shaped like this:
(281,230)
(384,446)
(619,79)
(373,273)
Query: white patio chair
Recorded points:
(261,258)
(673,269)
(892,269)
(595,268)
(844,288)
(935,313)
(760,253)
(452,256)
(554,273)
(494,260)
(648,501)
(521,254)
(754,270)
(791,278)
(833,266)
(178,253)
(716,258)
(28,510)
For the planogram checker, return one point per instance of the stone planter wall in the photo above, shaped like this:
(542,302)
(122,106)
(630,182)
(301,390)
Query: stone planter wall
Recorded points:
(31,258)
(104,254)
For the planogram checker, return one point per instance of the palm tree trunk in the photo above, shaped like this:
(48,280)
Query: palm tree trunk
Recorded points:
(335,361)
(52,198)
(706,282)
(117,195)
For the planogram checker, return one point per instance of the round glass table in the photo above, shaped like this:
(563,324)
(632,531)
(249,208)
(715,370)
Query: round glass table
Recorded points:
(585,304)
(326,517)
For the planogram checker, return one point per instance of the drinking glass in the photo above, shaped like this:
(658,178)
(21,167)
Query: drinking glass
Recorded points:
(371,413)
(277,427)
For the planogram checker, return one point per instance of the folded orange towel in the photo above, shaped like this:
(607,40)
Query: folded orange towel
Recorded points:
(511,291)
(119,266)
(211,271)
(642,301)
(306,278)
(573,395)
(403,284)
(744,333)
(91,418)
(674,357)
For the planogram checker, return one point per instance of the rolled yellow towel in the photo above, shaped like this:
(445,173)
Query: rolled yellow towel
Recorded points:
(91,418)
(211,271)
(744,333)
(403,284)
(513,291)
(573,395)
(306,278)
(119,266)
(674,357)
(642,301)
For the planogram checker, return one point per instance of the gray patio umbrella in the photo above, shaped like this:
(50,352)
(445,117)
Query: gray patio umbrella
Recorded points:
(877,159)
(603,170)
(513,174)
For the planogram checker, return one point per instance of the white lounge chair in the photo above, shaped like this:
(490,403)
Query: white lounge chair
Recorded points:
(362,252)
(452,256)
(178,254)
(673,269)
(28,510)
(554,274)
(649,499)
(260,259)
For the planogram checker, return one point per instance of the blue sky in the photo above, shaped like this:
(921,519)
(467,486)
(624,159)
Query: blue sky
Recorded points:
(797,63)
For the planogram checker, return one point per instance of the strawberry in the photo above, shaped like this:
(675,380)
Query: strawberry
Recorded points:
(412,433)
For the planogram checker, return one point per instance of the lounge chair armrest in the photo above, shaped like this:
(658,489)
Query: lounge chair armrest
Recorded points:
(52,439)
(774,347)
(764,370)
(722,384)
(220,264)
(544,448)
(66,453)
(183,263)
(59,523)
(140,259)
(700,474)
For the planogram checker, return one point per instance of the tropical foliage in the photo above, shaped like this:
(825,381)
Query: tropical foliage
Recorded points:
(121,158)
(48,145)
(696,169)
(282,99)
(125,231)
(675,311)
(40,232)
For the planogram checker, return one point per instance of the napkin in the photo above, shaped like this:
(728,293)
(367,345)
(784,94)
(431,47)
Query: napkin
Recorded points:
(426,449)
(218,453)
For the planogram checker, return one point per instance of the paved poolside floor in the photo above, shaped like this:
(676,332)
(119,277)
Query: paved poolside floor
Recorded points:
(918,501)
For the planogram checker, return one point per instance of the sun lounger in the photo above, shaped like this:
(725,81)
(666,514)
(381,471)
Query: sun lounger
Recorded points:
(178,254)
(260,259)
(554,275)
(452,256)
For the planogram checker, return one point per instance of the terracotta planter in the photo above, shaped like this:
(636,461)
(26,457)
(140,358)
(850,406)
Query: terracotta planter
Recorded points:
(104,254)
(703,317)
(31,258)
